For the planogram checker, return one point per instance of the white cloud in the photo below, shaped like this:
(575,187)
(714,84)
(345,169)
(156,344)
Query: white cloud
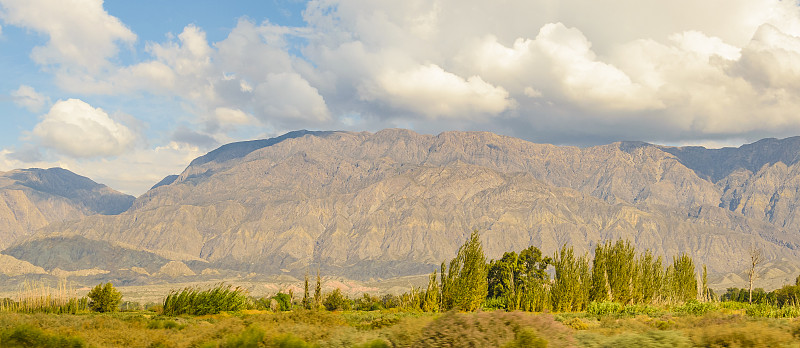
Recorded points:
(232,116)
(289,97)
(75,128)
(81,33)
(27,97)
(433,92)
(659,71)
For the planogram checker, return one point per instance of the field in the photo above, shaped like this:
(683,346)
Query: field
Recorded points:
(722,326)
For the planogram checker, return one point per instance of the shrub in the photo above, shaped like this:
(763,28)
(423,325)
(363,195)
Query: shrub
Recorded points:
(336,301)
(200,302)
(251,337)
(29,336)
(527,338)
(604,308)
(751,334)
(493,329)
(376,343)
(104,298)
(695,307)
(290,341)
(576,323)
(650,339)
(284,301)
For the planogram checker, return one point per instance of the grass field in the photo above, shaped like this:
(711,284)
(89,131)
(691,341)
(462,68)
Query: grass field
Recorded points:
(721,327)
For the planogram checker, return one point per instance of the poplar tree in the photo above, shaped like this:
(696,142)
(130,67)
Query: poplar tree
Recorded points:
(683,279)
(431,302)
(306,300)
(600,291)
(318,292)
(467,285)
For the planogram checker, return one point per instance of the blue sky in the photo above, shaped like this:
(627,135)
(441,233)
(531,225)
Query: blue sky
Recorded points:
(127,92)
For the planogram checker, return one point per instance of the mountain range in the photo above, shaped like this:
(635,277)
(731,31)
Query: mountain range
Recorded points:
(394,203)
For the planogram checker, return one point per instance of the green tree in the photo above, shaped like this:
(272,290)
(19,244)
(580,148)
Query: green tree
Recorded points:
(306,300)
(467,285)
(284,301)
(318,292)
(336,301)
(650,274)
(682,279)
(431,302)
(600,290)
(104,298)
(570,291)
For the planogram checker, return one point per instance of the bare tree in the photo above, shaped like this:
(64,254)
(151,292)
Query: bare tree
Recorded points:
(756,256)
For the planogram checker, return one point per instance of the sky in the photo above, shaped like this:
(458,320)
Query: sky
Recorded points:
(127,92)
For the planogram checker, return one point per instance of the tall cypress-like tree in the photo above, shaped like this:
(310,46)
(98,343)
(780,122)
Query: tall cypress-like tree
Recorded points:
(467,282)
(600,290)
(306,299)
(683,279)
(318,292)
(431,302)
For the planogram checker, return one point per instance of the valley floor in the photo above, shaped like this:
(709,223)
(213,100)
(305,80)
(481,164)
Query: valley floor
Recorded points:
(389,328)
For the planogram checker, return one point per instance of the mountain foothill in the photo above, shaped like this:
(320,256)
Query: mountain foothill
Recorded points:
(396,203)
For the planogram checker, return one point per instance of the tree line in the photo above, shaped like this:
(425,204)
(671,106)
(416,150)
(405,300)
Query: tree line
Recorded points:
(520,281)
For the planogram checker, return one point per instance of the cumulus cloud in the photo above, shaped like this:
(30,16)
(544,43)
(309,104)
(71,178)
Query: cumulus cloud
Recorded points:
(27,97)
(74,128)
(570,71)
(81,33)
(431,91)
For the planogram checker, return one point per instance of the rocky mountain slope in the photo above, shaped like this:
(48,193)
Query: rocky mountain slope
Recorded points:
(33,198)
(376,205)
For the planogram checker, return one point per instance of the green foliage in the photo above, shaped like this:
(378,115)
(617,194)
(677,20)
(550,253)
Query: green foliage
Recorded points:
(289,341)
(318,292)
(787,295)
(336,301)
(252,337)
(747,335)
(376,343)
(284,301)
(431,301)
(514,278)
(570,291)
(526,338)
(681,279)
(695,307)
(368,303)
(193,301)
(104,298)
(650,280)
(604,308)
(25,336)
(306,303)
(466,286)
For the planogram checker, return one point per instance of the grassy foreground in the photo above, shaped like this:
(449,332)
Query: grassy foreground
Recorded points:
(391,328)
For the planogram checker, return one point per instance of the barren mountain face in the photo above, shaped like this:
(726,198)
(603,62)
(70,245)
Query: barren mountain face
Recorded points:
(366,205)
(33,198)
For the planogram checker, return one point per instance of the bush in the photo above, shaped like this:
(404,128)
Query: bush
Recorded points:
(751,334)
(284,301)
(251,337)
(212,301)
(29,336)
(494,329)
(104,298)
(650,339)
(695,307)
(336,301)
(605,308)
